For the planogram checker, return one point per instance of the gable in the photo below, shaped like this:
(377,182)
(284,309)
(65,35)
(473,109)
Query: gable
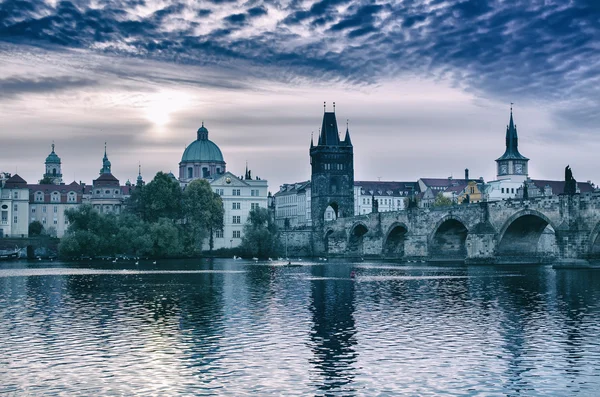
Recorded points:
(233,180)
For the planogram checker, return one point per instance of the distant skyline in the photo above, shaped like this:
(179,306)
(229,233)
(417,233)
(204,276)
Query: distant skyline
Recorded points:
(426,85)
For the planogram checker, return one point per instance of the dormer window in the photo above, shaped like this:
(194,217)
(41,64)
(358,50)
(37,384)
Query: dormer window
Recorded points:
(39,196)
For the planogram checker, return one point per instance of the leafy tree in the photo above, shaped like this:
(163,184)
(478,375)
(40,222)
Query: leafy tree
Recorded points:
(46,181)
(203,212)
(442,201)
(161,198)
(165,238)
(36,228)
(90,233)
(261,237)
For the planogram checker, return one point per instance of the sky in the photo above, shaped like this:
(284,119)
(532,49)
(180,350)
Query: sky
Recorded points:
(424,85)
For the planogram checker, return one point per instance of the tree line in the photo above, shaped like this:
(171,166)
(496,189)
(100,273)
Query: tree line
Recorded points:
(162,220)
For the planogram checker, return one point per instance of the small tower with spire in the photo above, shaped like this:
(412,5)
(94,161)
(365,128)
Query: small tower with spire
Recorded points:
(140,180)
(105,163)
(512,164)
(53,168)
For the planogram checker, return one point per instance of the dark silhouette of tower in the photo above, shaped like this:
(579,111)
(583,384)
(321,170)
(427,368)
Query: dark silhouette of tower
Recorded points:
(332,177)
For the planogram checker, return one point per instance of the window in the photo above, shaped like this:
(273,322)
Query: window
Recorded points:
(33,210)
(72,197)
(236,192)
(190,173)
(16,195)
(55,222)
(39,196)
(502,190)
(235,206)
(15,207)
(44,209)
(5,217)
(55,209)
(66,222)
(253,206)
(512,190)
(219,234)
(15,219)
(237,219)
(116,192)
(97,191)
(237,234)
(55,197)
(254,192)
(107,192)
(44,221)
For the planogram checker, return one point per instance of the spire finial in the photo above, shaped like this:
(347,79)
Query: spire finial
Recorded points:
(139,169)
(324,106)
(202,123)
(104,148)
(53,146)
(347,121)
(334,107)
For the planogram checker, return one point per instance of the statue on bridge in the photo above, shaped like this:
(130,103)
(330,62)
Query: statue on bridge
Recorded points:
(374,204)
(570,182)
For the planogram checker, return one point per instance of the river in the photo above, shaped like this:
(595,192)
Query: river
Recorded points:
(236,328)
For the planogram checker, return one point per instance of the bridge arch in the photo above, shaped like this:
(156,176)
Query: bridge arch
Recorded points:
(356,238)
(395,238)
(448,238)
(326,236)
(527,233)
(594,243)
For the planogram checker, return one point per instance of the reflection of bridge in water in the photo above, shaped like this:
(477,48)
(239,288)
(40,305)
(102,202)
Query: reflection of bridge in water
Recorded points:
(545,229)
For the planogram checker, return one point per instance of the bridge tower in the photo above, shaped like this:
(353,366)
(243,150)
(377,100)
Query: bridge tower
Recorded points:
(332,177)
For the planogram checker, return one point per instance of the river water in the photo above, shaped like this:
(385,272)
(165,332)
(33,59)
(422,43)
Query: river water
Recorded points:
(236,328)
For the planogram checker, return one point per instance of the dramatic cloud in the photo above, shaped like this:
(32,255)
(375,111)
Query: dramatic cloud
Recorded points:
(539,53)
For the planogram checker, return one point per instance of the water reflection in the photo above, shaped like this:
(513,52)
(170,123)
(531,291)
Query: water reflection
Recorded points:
(333,330)
(243,328)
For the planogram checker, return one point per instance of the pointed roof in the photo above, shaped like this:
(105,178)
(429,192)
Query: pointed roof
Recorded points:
(347,140)
(512,142)
(329,130)
(15,181)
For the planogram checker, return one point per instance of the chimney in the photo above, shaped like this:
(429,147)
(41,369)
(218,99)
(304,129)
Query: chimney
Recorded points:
(466,174)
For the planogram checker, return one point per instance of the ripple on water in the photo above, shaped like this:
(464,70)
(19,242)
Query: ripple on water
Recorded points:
(227,328)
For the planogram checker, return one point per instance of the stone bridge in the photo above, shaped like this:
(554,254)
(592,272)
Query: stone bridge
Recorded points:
(558,228)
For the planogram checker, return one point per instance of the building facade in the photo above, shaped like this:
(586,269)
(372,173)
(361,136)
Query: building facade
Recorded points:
(14,206)
(292,205)
(202,159)
(390,196)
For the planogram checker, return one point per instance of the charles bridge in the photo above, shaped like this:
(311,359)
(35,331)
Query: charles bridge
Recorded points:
(558,228)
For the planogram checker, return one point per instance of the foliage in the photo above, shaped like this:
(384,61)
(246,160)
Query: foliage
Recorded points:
(261,237)
(36,228)
(46,181)
(442,201)
(160,198)
(203,210)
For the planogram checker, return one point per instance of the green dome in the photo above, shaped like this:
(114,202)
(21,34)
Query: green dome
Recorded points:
(202,150)
(52,157)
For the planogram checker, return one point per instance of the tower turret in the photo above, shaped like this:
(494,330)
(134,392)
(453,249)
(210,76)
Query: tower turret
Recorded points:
(512,164)
(105,163)
(332,176)
(53,168)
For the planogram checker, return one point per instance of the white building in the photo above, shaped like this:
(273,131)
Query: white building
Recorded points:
(292,205)
(390,196)
(202,159)
(14,206)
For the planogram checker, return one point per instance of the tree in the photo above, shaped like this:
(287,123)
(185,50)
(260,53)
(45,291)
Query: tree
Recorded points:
(161,198)
(261,237)
(203,212)
(46,181)
(442,201)
(35,228)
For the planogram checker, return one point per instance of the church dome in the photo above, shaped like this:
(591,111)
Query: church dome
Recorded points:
(52,157)
(202,149)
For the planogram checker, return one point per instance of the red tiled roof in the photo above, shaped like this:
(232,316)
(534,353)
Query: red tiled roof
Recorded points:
(558,187)
(397,188)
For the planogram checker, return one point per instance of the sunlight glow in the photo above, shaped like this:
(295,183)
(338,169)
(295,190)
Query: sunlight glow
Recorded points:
(161,105)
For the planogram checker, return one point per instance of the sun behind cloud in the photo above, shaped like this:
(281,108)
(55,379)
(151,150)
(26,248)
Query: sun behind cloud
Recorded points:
(159,106)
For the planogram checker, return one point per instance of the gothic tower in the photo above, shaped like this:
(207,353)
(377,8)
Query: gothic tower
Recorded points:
(332,177)
(53,169)
(512,164)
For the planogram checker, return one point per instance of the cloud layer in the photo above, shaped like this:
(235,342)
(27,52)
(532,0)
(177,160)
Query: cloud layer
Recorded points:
(538,53)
